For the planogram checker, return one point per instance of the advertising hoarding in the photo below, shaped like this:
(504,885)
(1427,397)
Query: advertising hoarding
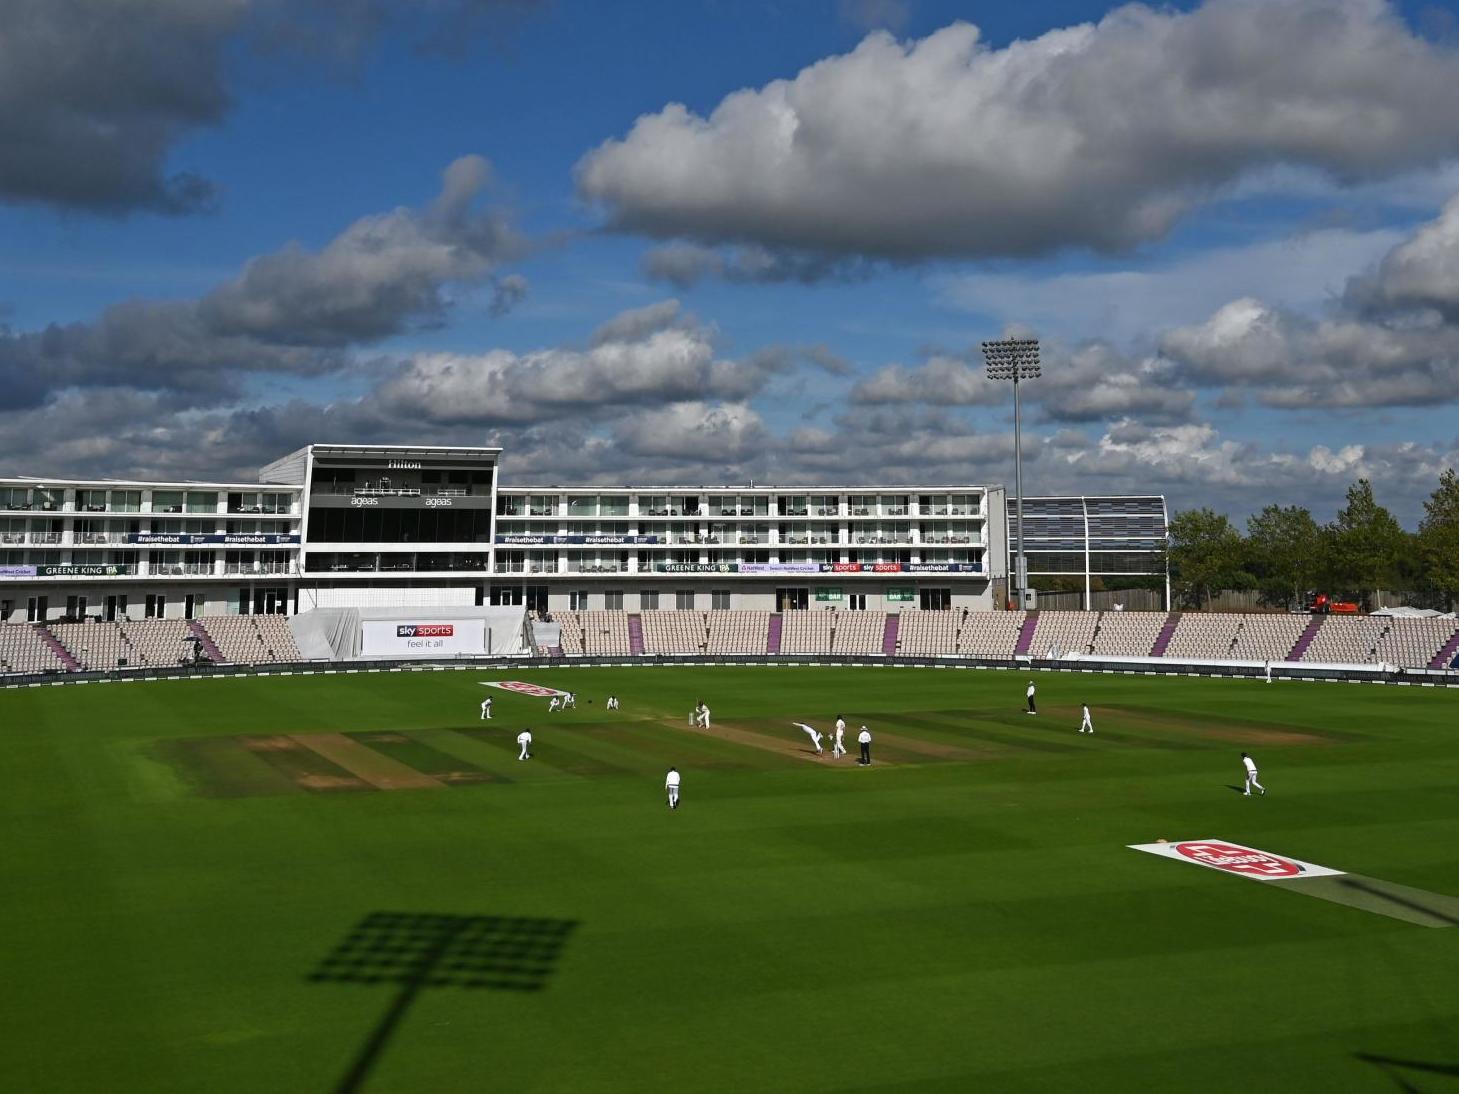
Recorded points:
(422,637)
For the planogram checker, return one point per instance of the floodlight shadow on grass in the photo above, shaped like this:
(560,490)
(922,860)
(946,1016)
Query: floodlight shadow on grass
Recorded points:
(416,950)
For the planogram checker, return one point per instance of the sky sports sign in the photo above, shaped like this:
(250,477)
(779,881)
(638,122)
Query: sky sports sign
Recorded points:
(425,630)
(423,638)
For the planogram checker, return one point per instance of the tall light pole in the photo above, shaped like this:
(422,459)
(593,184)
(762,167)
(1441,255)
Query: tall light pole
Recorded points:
(1015,359)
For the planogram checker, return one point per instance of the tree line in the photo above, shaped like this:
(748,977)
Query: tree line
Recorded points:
(1287,555)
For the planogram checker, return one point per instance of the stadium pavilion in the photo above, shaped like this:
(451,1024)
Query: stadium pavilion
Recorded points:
(372,525)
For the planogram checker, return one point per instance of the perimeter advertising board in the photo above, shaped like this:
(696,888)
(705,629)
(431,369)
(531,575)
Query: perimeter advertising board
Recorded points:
(422,637)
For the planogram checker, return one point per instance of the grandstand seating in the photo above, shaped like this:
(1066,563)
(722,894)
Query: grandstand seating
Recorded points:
(1204,637)
(675,632)
(1062,633)
(991,634)
(929,633)
(594,633)
(1346,639)
(252,639)
(1409,643)
(1414,642)
(22,649)
(1268,637)
(163,643)
(807,632)
(858,632)
(1126,634)
(738,632)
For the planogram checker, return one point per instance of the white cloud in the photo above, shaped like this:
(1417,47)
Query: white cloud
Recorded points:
(1126,306)
(1098,135)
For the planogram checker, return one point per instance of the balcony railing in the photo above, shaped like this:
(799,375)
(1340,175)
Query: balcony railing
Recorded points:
(256,568)
(45,537)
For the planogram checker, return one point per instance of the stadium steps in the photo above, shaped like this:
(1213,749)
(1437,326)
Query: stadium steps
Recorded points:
(58,648)
(1305,638)
(1167,632)
(889,634)
(1449,655)
(772,635)
(1025,634)
(635,635)
(215,655)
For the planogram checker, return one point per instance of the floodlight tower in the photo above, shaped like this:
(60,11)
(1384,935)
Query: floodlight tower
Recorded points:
(1015,359)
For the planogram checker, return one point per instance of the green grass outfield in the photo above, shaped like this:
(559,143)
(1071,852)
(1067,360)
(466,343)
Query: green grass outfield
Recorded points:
(962,916)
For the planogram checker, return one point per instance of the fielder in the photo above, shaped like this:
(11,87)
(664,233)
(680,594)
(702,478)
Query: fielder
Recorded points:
(1250,765)
(524,739)
(570,700)
(671,785)
(1087,725)
(553,704)
(814,734)
(838,748)
(486,709)
(612,702)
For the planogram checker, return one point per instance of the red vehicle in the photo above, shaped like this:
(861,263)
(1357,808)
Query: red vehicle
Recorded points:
(1322,604)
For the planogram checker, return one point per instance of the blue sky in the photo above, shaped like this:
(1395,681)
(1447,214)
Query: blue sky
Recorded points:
(1226,221)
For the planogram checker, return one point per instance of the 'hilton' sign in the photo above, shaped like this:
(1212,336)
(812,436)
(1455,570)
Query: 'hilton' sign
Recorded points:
(404,465)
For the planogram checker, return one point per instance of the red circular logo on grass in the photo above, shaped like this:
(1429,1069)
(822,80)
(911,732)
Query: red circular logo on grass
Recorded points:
(1238,860)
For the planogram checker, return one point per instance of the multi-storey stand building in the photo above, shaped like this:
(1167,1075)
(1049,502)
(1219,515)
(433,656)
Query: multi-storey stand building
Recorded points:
(749,547)
(1110,538)
(374,525)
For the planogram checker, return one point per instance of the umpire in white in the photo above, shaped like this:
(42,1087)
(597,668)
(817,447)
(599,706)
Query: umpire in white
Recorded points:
(864,740)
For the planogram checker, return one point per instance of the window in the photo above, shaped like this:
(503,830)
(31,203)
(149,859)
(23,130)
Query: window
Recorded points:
(649,601)
(935,600)
(856,602)
(506,595)
(578,600)
(719,600)
(91,501)
(126,501)
(684,600)
(201,502)
(167,501)
(613,601)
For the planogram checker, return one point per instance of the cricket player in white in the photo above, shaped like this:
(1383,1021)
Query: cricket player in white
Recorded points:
(612,702)
(813,733)
(703,716)
(1032,709)
(486,709)
(671,784)
(553,704)
(838,747)
(1250,765)
(570,700)
(525,740)
(1087,725)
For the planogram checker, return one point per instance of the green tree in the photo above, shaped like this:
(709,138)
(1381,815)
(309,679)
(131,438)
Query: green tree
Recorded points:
(1367,542)
(1288,549)
(1206,553)
(1438,538)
